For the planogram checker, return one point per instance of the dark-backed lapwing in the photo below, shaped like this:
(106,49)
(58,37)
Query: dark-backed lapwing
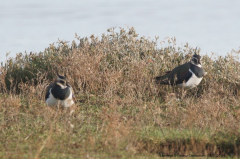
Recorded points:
(188,75)
(59,93)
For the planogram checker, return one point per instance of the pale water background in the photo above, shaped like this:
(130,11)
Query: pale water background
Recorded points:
(28,25)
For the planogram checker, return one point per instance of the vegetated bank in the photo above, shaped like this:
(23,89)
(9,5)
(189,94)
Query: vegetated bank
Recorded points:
(120,111)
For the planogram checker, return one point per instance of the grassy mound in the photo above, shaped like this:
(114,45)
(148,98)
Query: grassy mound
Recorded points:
(120,111)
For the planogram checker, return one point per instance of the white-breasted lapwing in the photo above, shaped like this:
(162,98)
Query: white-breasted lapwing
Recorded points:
(188,75)
(59,93)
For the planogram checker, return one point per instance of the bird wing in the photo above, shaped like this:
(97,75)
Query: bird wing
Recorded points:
(176,76)
(47,91)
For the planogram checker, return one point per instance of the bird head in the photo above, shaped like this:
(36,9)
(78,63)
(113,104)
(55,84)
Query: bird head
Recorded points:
(196,59)
(61,80)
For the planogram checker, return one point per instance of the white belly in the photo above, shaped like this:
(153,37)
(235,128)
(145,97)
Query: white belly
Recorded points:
(192,82)
(51,101)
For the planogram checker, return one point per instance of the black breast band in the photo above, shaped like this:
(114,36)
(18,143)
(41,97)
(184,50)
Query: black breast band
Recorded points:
(60,93)
(198,71)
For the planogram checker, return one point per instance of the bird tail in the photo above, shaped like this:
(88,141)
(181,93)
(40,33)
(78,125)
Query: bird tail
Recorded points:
(157,79)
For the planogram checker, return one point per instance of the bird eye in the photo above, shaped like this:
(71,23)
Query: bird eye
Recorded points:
(195,60)
(62,82)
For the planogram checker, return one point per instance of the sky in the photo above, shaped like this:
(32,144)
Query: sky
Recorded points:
(28,25)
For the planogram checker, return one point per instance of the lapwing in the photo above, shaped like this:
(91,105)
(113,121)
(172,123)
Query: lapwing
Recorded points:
(59,93)
(188,75)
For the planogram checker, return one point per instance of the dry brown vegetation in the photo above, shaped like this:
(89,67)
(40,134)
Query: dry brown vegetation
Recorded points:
(120,112)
